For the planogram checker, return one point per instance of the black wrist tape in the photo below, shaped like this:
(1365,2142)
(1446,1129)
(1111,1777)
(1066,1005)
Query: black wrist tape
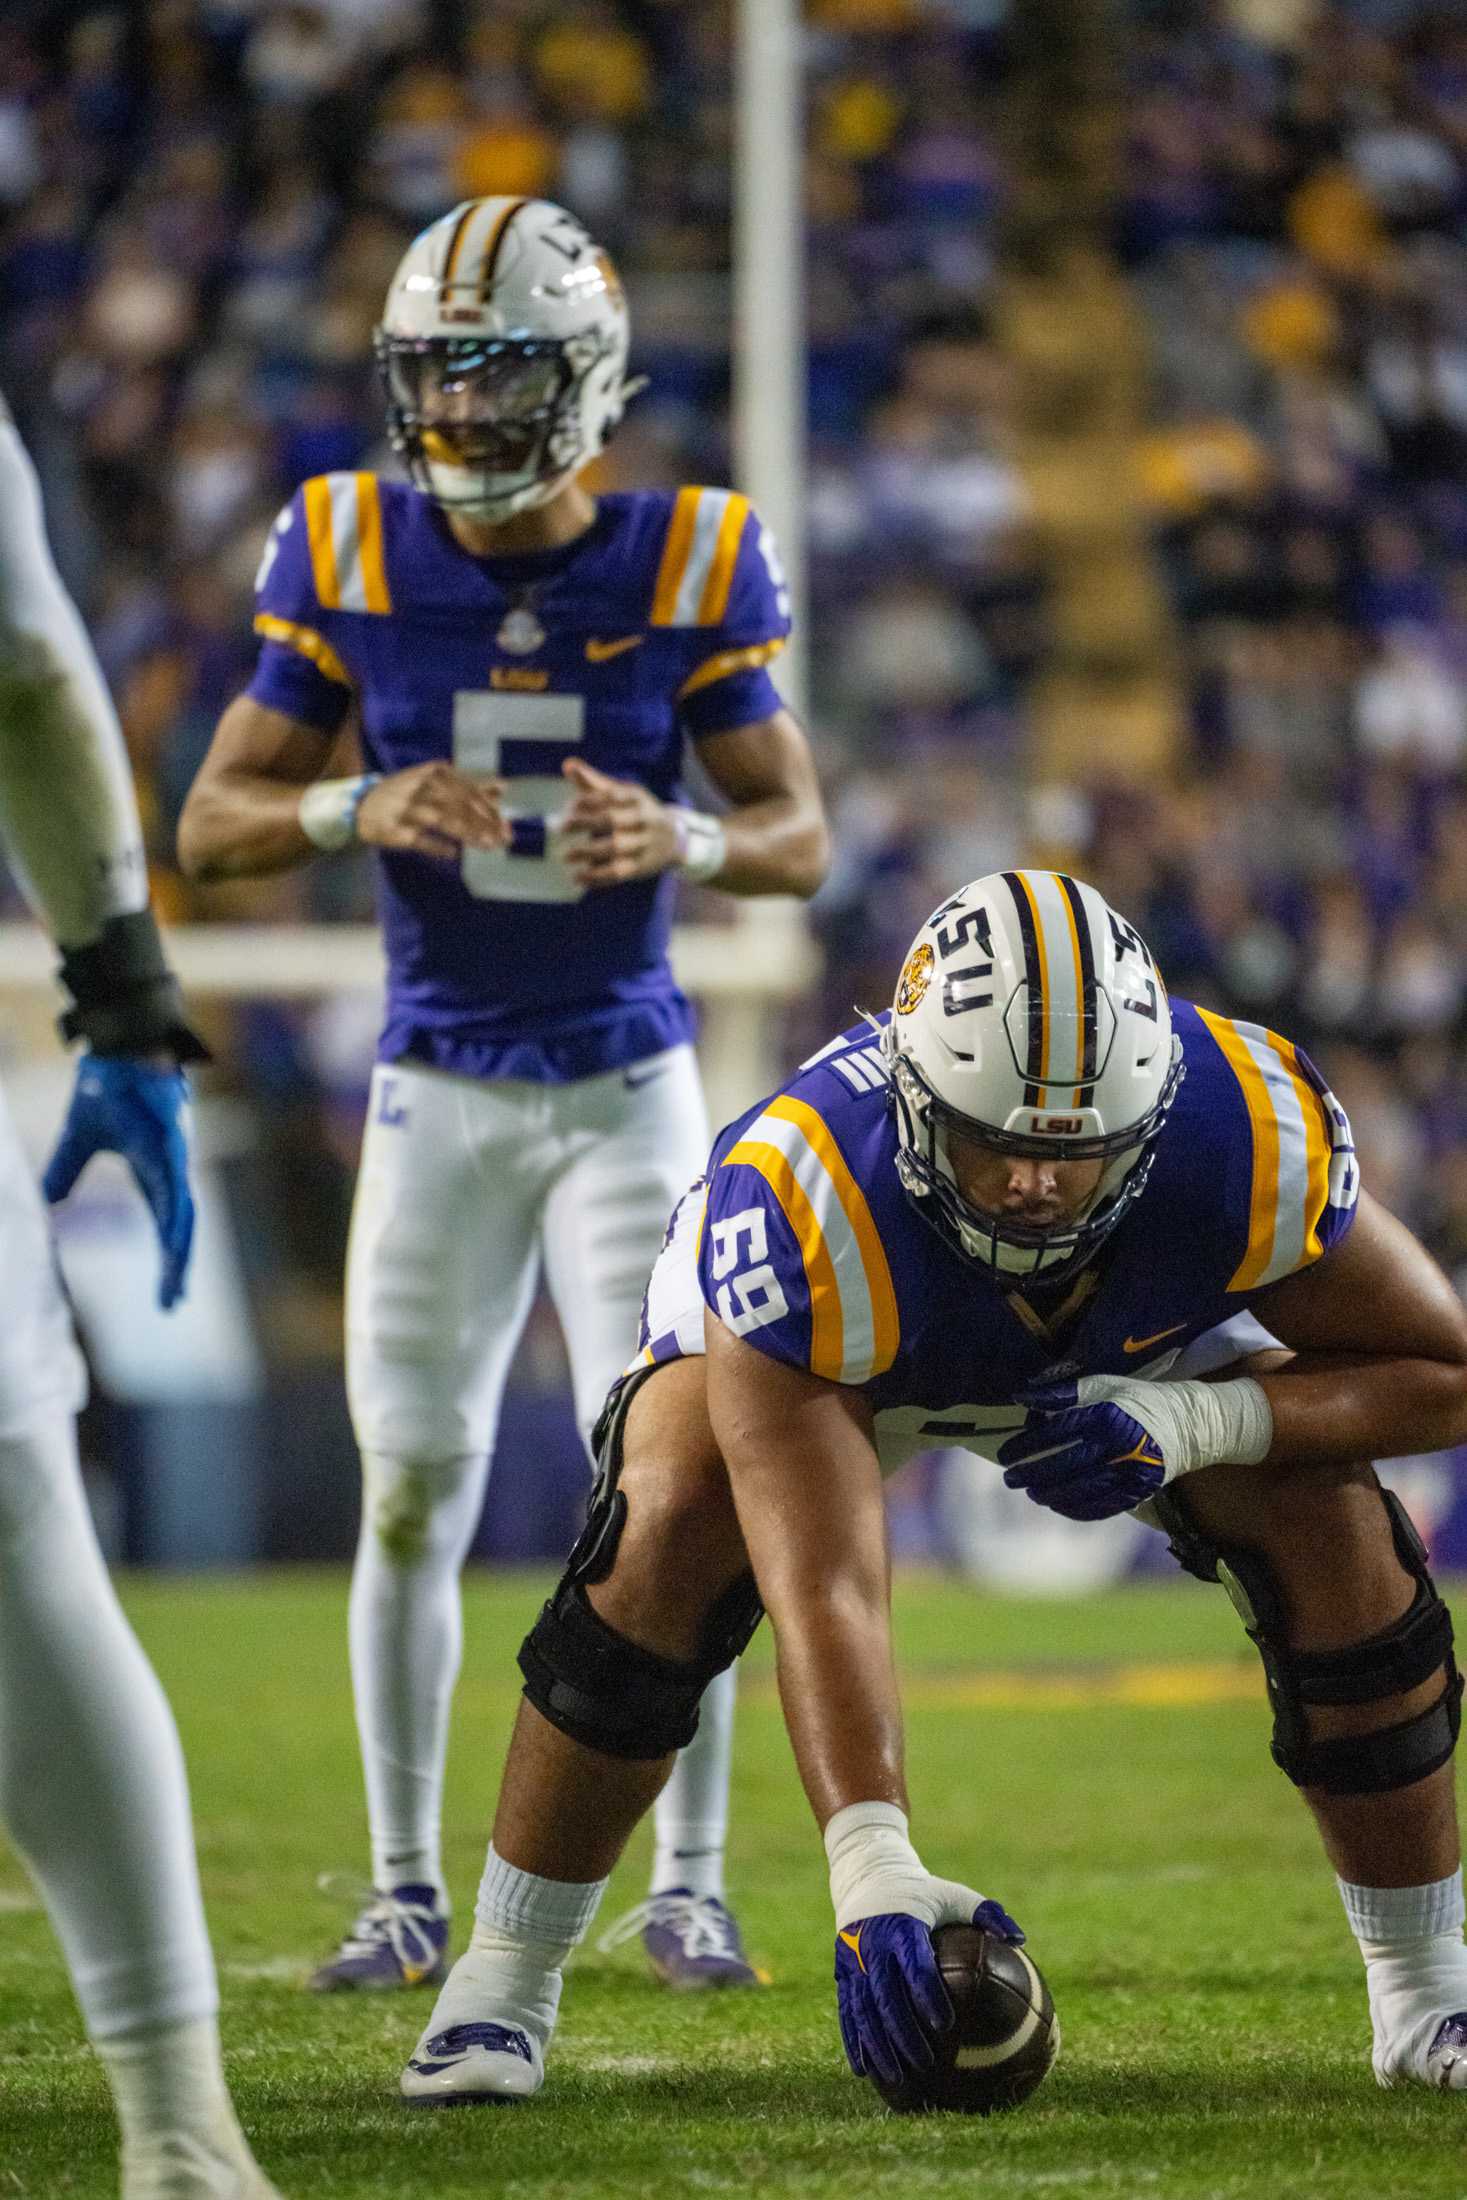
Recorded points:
(125,999)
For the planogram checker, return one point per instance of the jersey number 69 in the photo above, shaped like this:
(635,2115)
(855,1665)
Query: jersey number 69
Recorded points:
(753,1299)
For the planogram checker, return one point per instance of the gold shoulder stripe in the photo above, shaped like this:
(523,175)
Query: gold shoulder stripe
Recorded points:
(369,539)
(323,547)
(675,553)
(307,641)
(1262,1116)
(885,1323)
(827,1326)
(729,661)
(713,603)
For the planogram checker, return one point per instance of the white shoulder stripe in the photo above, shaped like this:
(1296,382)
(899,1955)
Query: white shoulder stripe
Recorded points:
(712,504)
(1292,1202)
(858,1319)
(346,542)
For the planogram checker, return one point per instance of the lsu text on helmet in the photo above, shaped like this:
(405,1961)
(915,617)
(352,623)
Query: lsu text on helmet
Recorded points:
(503,352)
(1030,1019)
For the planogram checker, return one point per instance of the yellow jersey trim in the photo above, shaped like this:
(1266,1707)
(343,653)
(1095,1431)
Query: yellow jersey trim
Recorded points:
(729,661)
(307,641)
(369,539)
(827,1322)
(1264,1198)
(676,551)
(323,547)
(713,603)
(885,1320)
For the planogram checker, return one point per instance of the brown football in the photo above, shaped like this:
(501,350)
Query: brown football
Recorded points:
(1004,2035)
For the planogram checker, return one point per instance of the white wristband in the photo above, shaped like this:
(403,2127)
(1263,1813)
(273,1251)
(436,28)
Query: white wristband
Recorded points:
(1196,1424)
(873,1866)
(702,844)
(1222,1424)
(328,810)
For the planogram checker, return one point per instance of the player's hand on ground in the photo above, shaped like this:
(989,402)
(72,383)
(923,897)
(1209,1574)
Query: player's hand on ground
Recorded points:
(137,1108)
(433,810)
(614,829)
(889,1994)
(1088,1450)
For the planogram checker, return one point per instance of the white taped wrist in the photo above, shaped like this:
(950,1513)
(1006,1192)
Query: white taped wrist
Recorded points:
(1217,1424)
(873,1865)
(702,844)
(328,810)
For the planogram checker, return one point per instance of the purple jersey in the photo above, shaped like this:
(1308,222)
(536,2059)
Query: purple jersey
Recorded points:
(656,624)
(811,1251)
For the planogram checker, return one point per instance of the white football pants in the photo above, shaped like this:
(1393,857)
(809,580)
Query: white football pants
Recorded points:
(92,1787)
(466,1184)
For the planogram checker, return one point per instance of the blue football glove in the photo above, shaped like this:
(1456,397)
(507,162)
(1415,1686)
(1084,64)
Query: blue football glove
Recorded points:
(889,1994)
(126,1106)
(1086,1455)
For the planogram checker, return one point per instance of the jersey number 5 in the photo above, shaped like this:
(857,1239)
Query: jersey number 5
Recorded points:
(754,1299)
(531,868)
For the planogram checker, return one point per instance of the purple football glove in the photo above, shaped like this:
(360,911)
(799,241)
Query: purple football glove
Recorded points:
(889,1994)
(1086,1461)
(131,1107)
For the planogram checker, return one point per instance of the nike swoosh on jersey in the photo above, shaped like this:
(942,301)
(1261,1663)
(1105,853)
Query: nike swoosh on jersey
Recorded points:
(1139,1344)
(597,652)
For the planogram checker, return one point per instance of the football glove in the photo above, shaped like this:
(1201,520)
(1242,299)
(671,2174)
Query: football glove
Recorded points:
(1105,1444)
(889,1994)
(133,1108)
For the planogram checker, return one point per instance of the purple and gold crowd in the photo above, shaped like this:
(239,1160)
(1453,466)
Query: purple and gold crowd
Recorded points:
(201,202)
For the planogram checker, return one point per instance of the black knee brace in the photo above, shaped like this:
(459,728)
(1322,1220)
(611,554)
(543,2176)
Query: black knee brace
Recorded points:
(593,1682)
(1398,1659)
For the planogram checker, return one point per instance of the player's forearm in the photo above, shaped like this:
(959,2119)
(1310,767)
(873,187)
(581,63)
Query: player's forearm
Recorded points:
(238,824)
(1330,1408)
(777,846)
(838,1689)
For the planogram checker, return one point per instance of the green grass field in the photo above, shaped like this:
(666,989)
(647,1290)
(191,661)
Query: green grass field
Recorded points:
(1101,1766)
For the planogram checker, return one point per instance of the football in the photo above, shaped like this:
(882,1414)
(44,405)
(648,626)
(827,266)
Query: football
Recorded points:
(1004,2036)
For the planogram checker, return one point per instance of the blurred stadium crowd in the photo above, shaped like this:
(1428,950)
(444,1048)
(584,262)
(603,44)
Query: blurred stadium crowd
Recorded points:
(201,202)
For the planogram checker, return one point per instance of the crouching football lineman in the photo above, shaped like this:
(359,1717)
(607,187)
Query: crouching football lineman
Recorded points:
(1117,1244)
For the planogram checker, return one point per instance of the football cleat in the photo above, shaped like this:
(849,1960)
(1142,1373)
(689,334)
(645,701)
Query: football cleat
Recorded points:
(400,1938)
(472,2062)
(692,1942)
(1433,2053)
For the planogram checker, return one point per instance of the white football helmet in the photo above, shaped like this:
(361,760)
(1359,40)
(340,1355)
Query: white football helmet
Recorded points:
(503,350)
(1031,1018)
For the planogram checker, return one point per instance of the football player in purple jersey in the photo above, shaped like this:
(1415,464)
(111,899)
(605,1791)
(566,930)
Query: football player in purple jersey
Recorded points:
(1114,1243)
(527,663)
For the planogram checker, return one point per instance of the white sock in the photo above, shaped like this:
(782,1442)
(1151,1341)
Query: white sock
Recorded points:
(92,1785)
(691,1815)
(1415,1961)
(405,1628)
(512,1970)
(168,2084)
